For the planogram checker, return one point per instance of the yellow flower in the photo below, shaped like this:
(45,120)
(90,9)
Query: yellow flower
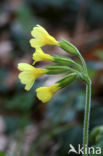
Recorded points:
(29,74)
(39,55)
(41,37)
(46,93)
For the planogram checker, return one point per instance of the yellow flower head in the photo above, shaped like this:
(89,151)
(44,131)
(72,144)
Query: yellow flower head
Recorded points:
(39,55)
(41,37)
(29,74)
(46,93)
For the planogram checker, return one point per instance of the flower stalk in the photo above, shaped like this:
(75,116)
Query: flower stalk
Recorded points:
(87,106)
(87,118)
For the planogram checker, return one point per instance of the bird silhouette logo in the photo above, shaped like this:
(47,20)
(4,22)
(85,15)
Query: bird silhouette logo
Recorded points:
(72,149)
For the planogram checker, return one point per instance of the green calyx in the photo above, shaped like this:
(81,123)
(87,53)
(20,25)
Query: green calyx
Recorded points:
(62,60)
(58,69)
(68,47)
(67,80)
(55,69)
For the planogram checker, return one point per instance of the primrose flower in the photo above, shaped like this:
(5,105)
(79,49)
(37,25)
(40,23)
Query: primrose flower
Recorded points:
(41,37)
(29,74)
(39,55)
(46,93)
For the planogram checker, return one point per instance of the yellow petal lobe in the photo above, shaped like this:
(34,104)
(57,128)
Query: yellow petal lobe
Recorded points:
(29,74)
(45,93)
(41,37)
(39,55)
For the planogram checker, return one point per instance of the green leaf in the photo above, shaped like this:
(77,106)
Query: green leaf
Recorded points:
(96,133)
(97,137)
(21,101)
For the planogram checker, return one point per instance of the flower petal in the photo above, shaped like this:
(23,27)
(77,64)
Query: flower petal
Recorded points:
(44,94)
(36,43)
(27,78)
(25,67)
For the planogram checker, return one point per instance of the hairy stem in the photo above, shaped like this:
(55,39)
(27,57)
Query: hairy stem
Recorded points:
(82,60)
(86,118)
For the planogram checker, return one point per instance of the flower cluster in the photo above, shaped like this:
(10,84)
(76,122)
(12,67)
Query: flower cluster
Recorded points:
(62,64)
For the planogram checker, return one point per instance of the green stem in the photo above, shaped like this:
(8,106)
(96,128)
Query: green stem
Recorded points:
(83,62)
(86,118)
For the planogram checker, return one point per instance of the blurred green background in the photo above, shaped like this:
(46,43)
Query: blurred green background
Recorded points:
(27,126)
